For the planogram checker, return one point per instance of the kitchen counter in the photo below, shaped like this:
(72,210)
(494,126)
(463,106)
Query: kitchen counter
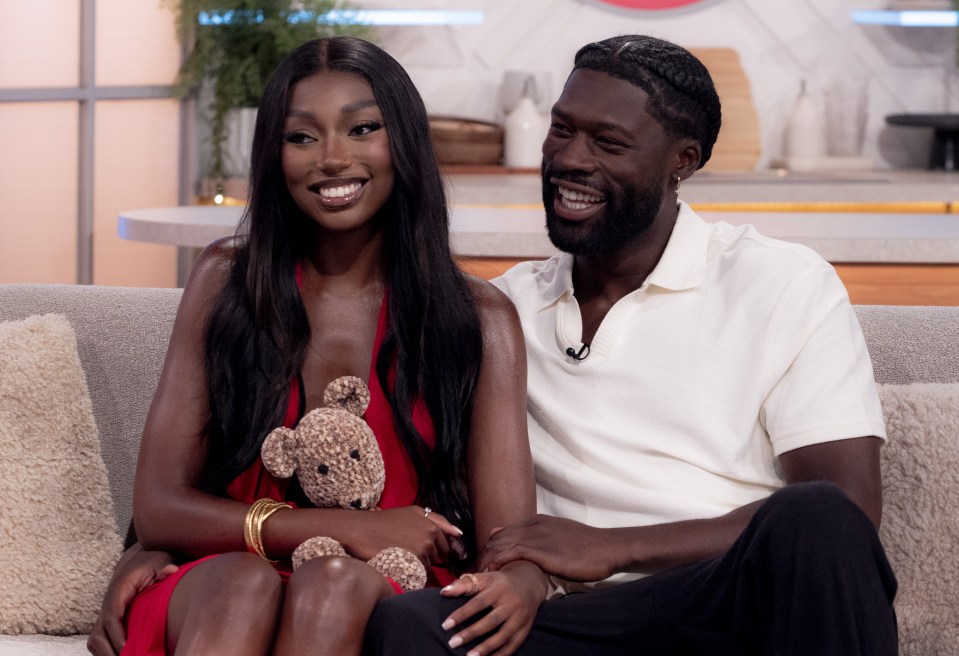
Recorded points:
(517,232)
(773,186)
(893,236)
(861,237)
(862,216)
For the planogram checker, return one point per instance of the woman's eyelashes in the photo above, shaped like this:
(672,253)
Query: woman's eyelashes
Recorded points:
(366,127)
(359,130)
(297,137)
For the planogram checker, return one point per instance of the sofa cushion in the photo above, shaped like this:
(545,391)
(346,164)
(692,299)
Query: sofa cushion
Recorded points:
(920,524)
(58,536)
(122,335)
(907,343)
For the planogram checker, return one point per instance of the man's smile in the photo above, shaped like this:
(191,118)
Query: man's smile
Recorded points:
(575,202)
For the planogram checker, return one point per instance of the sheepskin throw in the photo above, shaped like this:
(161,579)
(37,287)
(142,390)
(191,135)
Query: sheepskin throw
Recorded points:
(58,535)
(920,524)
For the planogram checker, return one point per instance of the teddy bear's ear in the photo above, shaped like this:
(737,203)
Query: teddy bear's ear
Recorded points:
(278,452)
(349,393)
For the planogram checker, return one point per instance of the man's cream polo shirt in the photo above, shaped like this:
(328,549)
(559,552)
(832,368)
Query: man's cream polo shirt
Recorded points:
(737,348)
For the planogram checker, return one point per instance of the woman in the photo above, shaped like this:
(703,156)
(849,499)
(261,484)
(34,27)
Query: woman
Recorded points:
(342,267)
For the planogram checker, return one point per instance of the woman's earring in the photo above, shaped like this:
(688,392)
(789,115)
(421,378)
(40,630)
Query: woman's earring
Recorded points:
(678,180)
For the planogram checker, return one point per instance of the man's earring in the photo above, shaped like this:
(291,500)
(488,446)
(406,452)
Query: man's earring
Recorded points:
(678,180)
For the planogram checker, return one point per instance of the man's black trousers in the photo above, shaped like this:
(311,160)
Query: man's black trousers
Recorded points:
(808,577)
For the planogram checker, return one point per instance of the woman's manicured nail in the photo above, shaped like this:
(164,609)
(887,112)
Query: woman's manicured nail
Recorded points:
(448,624)
(455,642)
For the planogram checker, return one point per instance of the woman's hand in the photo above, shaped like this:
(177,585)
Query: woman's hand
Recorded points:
(136,571)
(512,596)
(424,532)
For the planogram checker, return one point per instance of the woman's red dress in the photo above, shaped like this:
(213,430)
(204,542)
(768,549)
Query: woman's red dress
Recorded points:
(146,618)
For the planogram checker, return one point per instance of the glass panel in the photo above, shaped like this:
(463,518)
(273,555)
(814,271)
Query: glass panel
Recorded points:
(38,192)
(39,43)
(137,148)
(136,43)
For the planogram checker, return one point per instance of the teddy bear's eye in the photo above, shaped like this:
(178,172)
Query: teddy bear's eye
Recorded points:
(323,469)
(355,454)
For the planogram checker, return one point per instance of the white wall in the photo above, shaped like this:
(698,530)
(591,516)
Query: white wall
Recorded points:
(459,69)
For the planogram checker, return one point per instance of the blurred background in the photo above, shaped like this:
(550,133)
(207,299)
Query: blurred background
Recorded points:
(91,124)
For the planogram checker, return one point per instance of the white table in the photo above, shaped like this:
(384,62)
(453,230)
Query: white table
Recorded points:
(519,233)
(192,226)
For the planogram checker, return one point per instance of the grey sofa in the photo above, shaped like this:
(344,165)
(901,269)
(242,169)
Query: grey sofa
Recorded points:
(122,335)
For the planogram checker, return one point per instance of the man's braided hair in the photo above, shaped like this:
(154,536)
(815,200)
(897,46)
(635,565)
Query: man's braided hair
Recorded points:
(682,97)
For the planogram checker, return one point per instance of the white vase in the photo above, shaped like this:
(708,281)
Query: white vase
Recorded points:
(525,129)
(805,136)
(239,142)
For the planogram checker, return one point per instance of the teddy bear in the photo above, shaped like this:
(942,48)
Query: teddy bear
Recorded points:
(337,460)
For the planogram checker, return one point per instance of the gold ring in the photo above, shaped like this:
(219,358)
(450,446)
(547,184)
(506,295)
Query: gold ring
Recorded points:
(427,512)
(474,582)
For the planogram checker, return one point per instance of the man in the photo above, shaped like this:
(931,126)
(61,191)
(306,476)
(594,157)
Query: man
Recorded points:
(680,373)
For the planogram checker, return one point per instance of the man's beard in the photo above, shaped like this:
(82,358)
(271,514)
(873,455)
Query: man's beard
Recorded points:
(627,214)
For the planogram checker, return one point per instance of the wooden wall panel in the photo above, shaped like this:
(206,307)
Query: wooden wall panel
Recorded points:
(739,145)
(901,284)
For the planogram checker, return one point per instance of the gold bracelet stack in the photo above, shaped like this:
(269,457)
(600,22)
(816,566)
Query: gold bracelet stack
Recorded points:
(256,516)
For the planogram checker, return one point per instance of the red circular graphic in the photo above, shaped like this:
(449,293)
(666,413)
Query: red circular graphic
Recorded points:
(650,4)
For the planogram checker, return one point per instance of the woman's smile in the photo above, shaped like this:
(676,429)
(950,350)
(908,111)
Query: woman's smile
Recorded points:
(336,194)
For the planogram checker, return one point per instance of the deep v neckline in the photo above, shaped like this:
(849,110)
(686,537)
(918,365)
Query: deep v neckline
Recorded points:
(371,376)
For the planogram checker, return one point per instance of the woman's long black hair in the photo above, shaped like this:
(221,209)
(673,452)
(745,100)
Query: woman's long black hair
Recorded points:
(258,333)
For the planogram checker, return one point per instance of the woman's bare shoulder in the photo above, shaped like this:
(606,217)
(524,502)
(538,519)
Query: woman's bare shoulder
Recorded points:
(213,265)
(496,311)
(488,297)
(217,259)
(208,275)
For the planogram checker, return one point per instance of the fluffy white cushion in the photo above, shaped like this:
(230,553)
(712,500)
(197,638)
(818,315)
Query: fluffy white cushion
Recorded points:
(58,536)
(920,525)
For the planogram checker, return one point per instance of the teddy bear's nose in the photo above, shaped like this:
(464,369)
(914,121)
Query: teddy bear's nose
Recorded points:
(356,503)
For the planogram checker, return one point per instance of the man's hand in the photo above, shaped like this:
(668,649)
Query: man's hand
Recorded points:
(561,547)
(136,570)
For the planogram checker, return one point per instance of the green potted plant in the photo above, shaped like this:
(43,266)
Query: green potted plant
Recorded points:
(231,53)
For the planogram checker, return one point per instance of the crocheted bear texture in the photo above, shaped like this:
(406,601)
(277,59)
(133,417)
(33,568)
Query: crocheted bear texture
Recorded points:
(336,458)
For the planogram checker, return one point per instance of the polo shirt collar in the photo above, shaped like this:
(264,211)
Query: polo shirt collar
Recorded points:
(681,267)
(683,263)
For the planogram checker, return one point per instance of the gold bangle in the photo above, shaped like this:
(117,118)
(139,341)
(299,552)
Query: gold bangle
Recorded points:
(256,516)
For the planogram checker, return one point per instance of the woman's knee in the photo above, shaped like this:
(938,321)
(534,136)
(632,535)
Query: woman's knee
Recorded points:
(244,575)
(336,577)
(227,597)
(229,582)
